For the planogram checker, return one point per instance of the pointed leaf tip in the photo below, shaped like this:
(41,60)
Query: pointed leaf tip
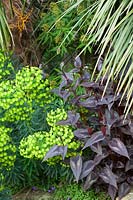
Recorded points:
(95,138)
(76,166)
(117,146)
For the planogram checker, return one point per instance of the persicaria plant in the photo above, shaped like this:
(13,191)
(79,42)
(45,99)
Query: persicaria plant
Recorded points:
(107,154)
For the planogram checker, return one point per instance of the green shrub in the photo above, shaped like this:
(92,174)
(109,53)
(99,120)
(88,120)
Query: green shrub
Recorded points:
(25,100)
(20,96)
(75,192)
(38,144)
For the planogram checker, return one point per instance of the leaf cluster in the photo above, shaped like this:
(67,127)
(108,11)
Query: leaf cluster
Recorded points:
(74,192)
(103,130)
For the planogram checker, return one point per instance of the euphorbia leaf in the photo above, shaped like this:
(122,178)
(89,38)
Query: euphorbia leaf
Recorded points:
(95,138)
(88,166)
(108,176)
(76,166)
(124,189)
(117,146)
(112,191)
(56,151)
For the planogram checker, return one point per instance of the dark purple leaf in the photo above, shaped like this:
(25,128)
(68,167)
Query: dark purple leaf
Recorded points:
(98,158)
(123,190)
(130,149)
(94,120)
(130,180)
(63,84)
(90,85)
(56,151)
(76,84)
(81,133)
(76,99)
(129,165)
(97,148)
(72,119)
(76,166)
(108,100)
(112,191)
(64,94)
(67,79)
(118,147)
(111,117)
(91,102)
(126,131)
(68,76)
(86,75)
(131,127)
(88,166)
(121,176)
(77,62)
(95,138)
(121,122)
(108,176)
(90,180)
(74,70)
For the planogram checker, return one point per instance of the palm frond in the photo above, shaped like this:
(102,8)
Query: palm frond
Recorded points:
(111,28)
(114,29)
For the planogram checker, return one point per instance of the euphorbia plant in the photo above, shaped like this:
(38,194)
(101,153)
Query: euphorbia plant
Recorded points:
(99,123)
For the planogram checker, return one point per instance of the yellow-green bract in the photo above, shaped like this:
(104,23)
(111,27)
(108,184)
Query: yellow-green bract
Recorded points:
(7,149)
(19,96)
